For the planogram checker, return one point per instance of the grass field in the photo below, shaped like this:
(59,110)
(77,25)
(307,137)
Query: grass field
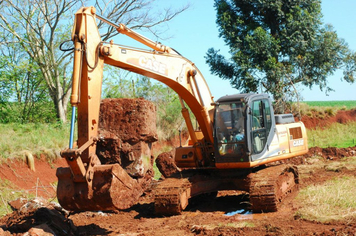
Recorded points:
(332,200)
(337,135)
(335,104)
(35,138)
(329,202)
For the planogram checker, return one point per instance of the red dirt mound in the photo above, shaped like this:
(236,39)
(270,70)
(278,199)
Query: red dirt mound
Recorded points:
(127,129)
(332,153)
(39,182)
(341,117)
(38,217)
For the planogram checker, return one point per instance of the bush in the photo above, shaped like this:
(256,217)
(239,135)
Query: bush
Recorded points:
(16,112)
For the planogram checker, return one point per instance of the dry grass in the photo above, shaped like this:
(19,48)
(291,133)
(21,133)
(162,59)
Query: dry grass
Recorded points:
(236,225)
(322,108)
(329,202)
(316,164)
(332,201)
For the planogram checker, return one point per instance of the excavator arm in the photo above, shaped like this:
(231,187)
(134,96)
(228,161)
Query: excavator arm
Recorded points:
(163,64)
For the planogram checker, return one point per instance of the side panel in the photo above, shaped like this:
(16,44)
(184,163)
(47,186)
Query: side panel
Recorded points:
(185,157)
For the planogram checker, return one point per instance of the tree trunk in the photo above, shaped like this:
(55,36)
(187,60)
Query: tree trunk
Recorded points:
(279,99)
(61,112)
(60,102)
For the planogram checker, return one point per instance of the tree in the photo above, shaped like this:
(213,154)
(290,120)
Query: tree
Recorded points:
(275,45)
(22,91)
(39,26)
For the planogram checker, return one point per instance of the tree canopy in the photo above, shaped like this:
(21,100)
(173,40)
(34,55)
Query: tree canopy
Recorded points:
(275,45)
(37,28)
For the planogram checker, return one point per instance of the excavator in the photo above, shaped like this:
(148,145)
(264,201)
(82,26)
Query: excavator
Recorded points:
(239,143)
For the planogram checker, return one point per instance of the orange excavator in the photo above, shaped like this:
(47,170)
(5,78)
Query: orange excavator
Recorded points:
(238,141)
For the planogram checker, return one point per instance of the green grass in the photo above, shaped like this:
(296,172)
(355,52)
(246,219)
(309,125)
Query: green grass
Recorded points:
(332,201)
(337,135)
(35,138)
(342,105)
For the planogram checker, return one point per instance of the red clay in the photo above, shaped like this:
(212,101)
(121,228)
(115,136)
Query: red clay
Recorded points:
(41,181)
(341,117)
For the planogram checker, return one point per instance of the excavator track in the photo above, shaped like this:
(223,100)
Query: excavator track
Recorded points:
(269,186)
(171,196)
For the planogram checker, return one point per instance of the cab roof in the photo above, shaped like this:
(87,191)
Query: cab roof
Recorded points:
(242,96)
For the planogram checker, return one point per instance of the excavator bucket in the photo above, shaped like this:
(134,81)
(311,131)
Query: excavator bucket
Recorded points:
(125,166)
(111,189)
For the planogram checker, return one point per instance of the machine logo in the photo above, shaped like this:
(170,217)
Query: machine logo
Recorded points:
(152,65)
(149,64)
(297,143)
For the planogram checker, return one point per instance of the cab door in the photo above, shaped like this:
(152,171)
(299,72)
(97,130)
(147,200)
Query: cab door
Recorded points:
(229,132)
(260,123)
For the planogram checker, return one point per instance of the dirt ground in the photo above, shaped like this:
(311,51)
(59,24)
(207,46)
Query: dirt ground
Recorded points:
(207,216)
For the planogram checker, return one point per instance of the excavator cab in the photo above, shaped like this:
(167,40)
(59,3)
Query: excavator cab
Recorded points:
(242,127)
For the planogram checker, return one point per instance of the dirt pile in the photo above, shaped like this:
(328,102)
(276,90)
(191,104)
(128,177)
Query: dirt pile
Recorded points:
(330,153)
(37,217)
(315,121)
(127,129)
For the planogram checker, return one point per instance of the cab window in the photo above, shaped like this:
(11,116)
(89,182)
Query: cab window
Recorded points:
(261,124)
(230,128)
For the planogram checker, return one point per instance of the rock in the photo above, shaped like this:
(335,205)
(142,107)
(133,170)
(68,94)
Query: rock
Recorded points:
(40,230)
(17,204)
(5,233)
(166,164)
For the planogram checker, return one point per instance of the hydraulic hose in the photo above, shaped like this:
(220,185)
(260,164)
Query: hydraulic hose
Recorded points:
(72,122)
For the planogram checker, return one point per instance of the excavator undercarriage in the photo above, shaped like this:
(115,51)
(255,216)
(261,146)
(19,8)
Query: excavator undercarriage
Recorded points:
(267,187)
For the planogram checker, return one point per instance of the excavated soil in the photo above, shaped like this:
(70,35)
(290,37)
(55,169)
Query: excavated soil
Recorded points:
(342,117)
(41,182)
(205,216)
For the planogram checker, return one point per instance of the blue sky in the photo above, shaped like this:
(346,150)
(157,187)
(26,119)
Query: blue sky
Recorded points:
(194,31)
